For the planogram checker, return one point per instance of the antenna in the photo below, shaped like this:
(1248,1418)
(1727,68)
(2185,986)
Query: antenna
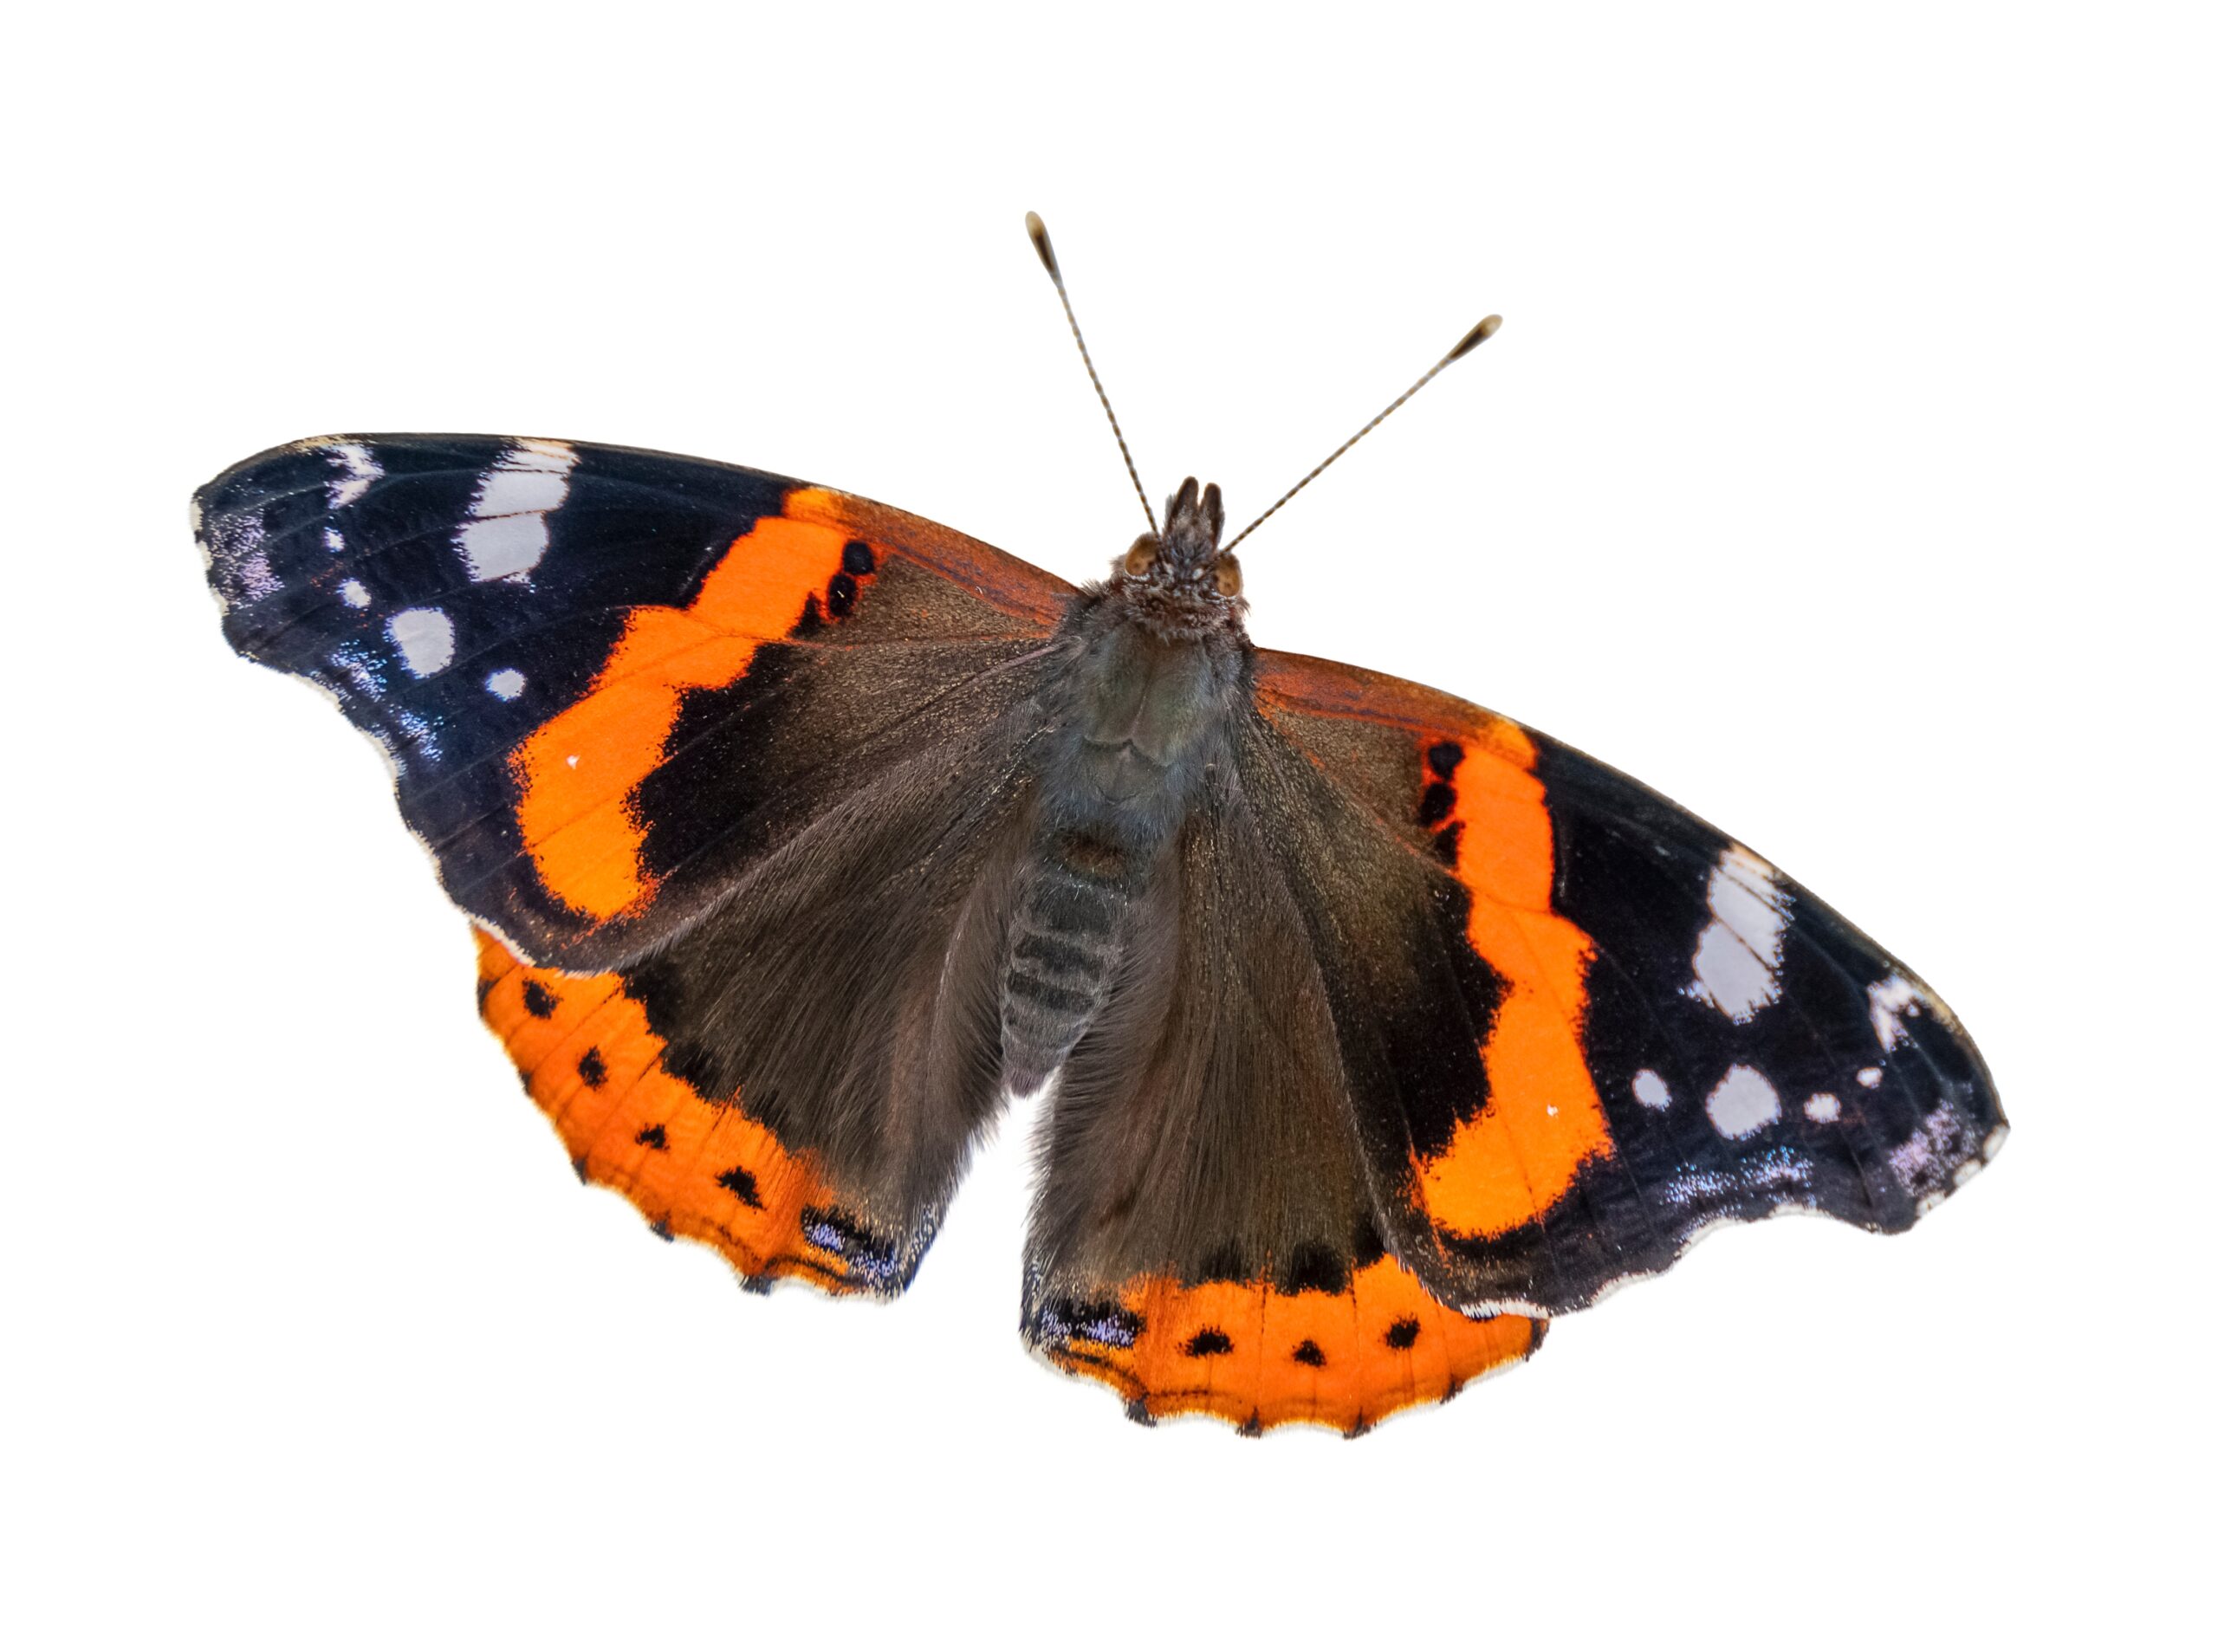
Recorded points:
(1041,245)
(1470,341)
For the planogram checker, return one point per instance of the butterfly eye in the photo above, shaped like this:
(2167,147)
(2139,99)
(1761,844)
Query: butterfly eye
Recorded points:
(1228,576)
(1142,556)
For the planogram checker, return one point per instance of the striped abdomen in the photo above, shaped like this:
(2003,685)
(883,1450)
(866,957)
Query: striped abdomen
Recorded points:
(1064,941)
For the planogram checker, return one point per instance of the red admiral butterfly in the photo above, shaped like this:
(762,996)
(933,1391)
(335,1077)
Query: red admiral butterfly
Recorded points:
(800,832)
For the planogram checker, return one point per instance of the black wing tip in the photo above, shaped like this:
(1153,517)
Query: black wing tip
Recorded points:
(257,478)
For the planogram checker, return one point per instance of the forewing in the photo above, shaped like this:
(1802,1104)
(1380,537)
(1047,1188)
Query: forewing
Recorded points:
(1203,1237)
(578,657)
(1653,1030)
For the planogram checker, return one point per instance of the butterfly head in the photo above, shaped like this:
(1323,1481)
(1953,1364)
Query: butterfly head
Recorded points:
(1178,581)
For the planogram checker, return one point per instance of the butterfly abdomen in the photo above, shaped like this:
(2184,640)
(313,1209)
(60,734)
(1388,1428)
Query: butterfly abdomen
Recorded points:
(1064,941)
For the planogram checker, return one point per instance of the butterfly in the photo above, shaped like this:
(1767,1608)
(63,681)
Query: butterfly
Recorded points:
(799,833)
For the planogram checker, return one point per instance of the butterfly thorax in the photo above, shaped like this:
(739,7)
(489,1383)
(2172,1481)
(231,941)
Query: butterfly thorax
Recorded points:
(1156,670)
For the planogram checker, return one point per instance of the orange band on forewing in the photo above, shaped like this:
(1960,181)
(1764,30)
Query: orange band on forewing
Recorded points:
(576,774)
(1518,1155)
(1508,847)
(1250,1354)
(695,1168)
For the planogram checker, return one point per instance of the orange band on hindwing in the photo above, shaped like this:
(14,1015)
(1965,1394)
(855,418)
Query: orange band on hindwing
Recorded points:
(576,776)
(1518,1155)
(696,1169)
(1261,1358)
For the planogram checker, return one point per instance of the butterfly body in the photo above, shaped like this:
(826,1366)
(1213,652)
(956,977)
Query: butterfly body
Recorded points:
(799,833)
(1155,672)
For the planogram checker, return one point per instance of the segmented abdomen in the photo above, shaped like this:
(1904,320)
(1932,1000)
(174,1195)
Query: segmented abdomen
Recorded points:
(1064,941)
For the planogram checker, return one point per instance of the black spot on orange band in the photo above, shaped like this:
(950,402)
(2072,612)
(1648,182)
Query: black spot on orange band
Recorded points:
(739,1181)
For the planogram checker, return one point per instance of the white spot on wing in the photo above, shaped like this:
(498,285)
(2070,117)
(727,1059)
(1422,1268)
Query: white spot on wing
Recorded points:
(509,488)
(1736,956)
(1868,1076)
(537,453)
(1892,1000)
(357,470)
(1650,1090)
(506,532)
(1743,1103)
(500,546)
(1824,1108)
(507,684)
(354,594)
(424,638)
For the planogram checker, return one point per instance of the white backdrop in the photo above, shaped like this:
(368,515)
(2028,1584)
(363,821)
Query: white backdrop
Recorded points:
(1843,469)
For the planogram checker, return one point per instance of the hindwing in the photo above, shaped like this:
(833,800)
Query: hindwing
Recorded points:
(1205,1236)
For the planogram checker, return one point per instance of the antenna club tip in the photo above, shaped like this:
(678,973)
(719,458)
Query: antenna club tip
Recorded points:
(1477,336)
(1037,229)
